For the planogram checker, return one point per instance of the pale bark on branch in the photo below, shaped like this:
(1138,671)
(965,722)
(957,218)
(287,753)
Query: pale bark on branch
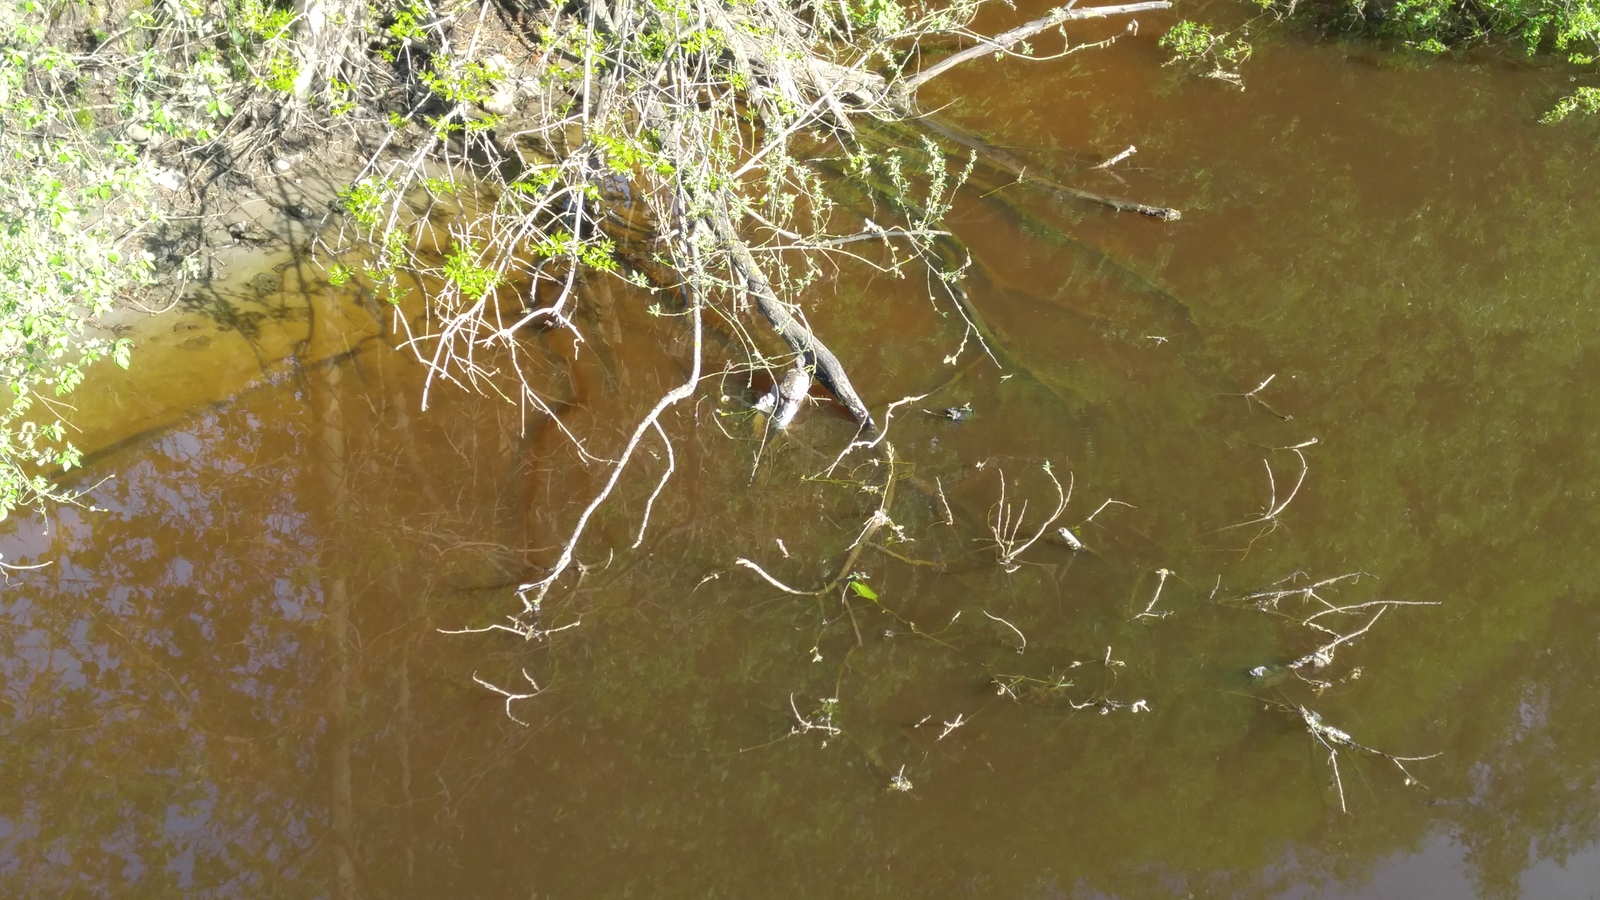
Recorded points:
(814,354)
(1007,39)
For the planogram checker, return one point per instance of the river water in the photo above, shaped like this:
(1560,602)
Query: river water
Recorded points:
(230,678)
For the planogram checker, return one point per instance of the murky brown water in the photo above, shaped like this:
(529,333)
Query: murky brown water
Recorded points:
(231,681)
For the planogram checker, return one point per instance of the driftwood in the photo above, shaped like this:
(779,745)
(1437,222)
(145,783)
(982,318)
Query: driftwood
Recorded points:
(814,354)
(808,80)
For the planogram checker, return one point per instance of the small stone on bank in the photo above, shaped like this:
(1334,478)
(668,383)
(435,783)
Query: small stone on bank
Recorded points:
(168,179)
(500,103)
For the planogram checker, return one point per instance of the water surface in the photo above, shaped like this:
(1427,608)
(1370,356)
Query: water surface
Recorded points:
(230,681)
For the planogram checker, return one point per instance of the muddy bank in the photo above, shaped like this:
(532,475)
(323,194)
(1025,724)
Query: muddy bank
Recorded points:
(264,308)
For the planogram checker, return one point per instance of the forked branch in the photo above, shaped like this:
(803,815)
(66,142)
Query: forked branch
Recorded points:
(1005,40)
(1007,525)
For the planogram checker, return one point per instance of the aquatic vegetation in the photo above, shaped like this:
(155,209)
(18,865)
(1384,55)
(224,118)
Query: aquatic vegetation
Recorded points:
(1568,28)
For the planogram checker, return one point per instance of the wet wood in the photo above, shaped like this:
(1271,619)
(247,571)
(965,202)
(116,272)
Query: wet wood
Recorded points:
(1001,42)
(813,352)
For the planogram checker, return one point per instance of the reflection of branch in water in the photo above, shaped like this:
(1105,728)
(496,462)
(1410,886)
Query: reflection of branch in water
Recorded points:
(330,457)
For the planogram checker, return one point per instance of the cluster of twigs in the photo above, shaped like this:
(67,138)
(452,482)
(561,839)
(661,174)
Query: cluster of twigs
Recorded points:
(1333,740)
(1007,525)
(1338,625)
(1019,687)
(656,142)
(1320,614)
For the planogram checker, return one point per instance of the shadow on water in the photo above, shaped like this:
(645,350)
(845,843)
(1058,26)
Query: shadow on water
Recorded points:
(230,681)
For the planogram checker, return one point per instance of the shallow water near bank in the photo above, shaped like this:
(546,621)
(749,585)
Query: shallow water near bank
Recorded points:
(231,681)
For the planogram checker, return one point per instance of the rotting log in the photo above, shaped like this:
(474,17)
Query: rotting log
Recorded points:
(814,354)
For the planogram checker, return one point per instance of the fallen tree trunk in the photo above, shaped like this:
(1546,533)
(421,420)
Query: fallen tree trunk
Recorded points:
(814,354)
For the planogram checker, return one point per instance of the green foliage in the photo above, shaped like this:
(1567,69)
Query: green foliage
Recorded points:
(261,33)
(1536,24)
(459,82)
(1585,101)
(439,187)
(598,254)
(344,98)
(406,26)
(886,16)
(366,198)
(1568,27)
(463,270)
(862,591)
(394,252)
(624,155)
(90,95)
(71,198)
(1195,44)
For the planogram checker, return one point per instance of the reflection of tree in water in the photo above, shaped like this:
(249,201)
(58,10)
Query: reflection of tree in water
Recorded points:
(175,697)
(183,680)
(174,679)
(150,715)
(329,458)
(271,725)
(1531,794)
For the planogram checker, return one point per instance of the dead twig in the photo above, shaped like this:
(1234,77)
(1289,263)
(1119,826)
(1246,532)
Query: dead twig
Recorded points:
(1270,515)
(1005,40)
(1020,636)
(1008,522)
(1149,610)
(512,696)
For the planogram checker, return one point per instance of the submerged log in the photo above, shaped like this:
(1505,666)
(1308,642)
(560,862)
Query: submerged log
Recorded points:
(814,354)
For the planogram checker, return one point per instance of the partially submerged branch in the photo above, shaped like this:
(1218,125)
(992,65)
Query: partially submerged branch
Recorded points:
(824,364)
(1007,525)
(1324,735)
(682,392)
(1006,40)
(1333,740)
(1027,173)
